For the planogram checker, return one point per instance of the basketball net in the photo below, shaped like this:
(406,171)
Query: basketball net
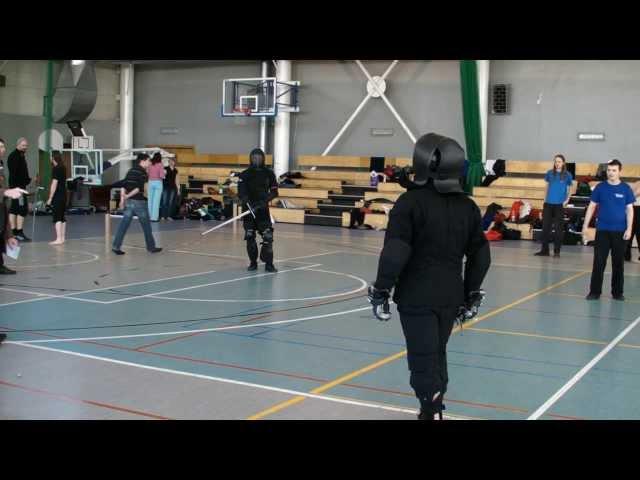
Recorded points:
(244,110)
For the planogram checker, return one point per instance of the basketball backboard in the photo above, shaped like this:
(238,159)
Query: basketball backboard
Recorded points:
(260,97)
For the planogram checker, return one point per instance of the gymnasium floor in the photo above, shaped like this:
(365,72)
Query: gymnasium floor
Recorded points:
(190,334)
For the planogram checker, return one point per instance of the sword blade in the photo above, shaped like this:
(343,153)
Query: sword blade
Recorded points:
(247,212)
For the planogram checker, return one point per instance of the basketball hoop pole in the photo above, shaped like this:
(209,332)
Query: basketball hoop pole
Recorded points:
(263,119)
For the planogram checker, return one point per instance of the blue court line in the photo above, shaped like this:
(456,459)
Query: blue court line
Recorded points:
(341,337)
(235,313)
(386,353)
(617,319)
(401,345)
(322,292)
(504,370)
(378,354)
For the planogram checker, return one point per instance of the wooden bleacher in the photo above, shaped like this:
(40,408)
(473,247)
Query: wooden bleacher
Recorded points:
(303,193)
(318,187)
(333,185)
(287,215)
(333,161)
(393,196)
(484,202)
(349,177)
(298,202)
(520,183)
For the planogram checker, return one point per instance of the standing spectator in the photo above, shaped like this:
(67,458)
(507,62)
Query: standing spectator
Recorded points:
(614,200)
(170,189)
(557,193)
(5,233)
(58,197)
(133,202)
(636,221)
(156,176)
(19,178)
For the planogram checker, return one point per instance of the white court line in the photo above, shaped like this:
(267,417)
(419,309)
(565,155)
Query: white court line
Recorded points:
(67,295)
(363,285)
(245,258)
(200,330)
(32,267)
(208,284)
(129,284)
(27,292)
(45,296)
(576,378)
(233,382)
(310,256)
(234,257)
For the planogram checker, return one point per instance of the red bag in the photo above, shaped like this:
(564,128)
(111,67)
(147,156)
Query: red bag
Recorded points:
(536,214)
(514,214)
(493,235)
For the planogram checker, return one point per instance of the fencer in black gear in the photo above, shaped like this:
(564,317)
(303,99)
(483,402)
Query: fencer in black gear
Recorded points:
(257,186)
(431,228)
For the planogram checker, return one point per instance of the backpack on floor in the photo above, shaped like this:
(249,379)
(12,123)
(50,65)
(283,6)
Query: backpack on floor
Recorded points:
(490,214)
(514,214)
(511,234)
(493,235)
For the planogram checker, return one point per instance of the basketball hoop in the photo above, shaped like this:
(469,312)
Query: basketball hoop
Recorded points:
(244,110)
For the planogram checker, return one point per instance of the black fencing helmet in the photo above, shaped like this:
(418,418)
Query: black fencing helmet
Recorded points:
(256,158)
(441,159)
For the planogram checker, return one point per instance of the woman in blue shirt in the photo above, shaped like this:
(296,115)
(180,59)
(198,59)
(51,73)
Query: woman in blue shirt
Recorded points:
(557,195)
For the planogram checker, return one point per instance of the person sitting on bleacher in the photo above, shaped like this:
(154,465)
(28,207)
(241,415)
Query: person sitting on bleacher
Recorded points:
(357,215)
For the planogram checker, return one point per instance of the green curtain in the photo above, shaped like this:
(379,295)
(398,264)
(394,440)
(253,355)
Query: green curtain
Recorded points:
(44,162)
(472,129)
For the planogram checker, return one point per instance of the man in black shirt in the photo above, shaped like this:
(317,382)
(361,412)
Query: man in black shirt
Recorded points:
(133,202)
(257,186)
(19,178)
(431,228)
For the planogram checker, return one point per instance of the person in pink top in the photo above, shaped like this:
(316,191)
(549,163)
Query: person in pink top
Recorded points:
(156,176)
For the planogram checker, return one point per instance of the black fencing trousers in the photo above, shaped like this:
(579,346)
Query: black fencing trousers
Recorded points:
(427,332)
(260,224)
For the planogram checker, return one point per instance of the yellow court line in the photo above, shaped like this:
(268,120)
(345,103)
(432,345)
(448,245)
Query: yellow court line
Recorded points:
(547,337)
(391,358)
(575,295)
(327,386)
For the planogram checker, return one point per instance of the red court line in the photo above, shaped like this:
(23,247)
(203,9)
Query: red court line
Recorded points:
(80,400)
(161,342)
(301,377)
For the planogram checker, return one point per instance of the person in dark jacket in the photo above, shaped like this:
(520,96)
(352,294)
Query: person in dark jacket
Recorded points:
(257,186)
(19,178)
(6,237)
(133,202)
(431,228)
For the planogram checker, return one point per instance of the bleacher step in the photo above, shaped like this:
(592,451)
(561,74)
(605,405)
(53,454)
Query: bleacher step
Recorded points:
(325,220)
